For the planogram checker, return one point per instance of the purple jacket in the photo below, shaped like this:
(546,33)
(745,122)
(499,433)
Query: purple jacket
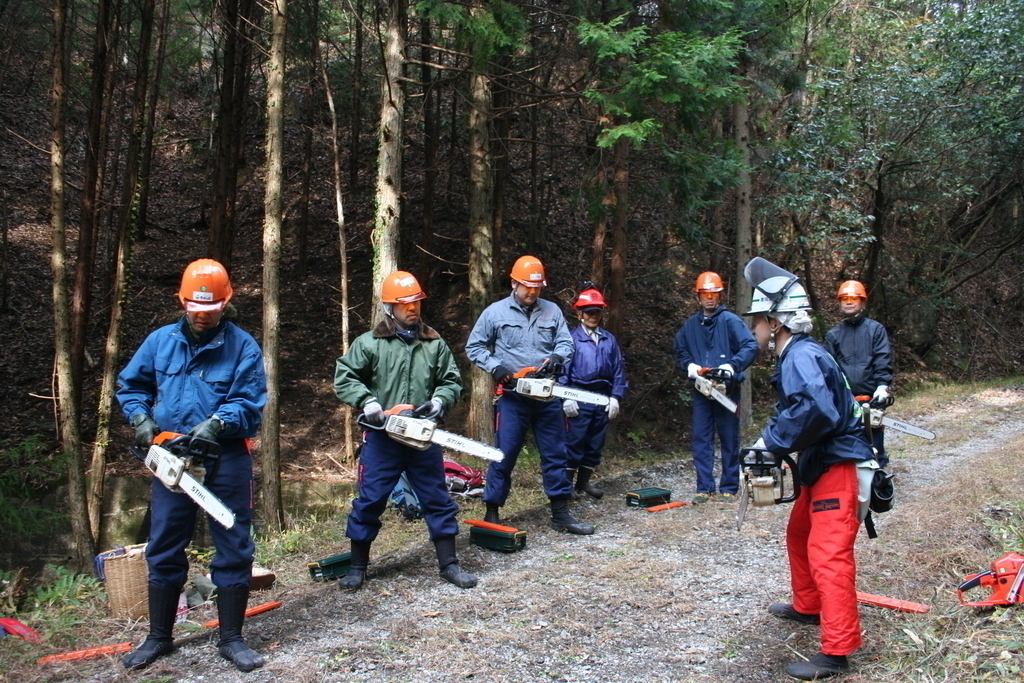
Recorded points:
(596,366)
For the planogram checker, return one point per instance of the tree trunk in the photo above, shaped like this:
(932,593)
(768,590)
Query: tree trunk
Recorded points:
(744,252)
(355,125)
(150,134)
(302,230)
(237,25)
(346,412)
(67,401)
(429,150)
(481,413)
(620,246)
(388,193)
(91,191)
(273,513)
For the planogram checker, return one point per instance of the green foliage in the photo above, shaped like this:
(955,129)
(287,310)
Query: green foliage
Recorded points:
(26,467)
(1005,524)
(68,591)
(496,28)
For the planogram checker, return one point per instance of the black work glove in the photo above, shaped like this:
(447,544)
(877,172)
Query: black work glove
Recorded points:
(208,429)
(145,430)
(501,374)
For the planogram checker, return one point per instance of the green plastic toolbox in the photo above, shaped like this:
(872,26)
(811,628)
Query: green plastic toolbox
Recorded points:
(333,567)
(649,497)
(505,541)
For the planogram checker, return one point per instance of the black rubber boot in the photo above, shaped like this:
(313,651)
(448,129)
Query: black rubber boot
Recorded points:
(571,473)
(449,565)
(357,570)
(583,484)
(562,520)
(785,610)
(231,604)
(491,516)
(163,607)
(819,666)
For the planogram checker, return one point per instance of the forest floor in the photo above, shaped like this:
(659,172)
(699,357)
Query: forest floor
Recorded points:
(678,595)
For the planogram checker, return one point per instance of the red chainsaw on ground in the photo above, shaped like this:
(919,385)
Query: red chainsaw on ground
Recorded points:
(1005,579)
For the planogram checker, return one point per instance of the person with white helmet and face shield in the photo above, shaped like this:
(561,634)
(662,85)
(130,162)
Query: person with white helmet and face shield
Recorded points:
(817,416)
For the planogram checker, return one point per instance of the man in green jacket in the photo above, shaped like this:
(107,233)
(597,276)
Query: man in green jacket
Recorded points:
(400,361)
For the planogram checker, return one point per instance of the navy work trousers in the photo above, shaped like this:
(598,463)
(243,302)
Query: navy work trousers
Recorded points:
(710,416)
(381,463)
(585,439)
(174,521)
(514,415)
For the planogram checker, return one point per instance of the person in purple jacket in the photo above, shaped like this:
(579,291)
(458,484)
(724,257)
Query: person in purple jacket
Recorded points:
(597,366)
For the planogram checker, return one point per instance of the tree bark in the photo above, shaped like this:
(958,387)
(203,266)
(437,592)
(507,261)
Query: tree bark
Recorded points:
(481,246)
(620,246)
(355,126)
(744,251)
(346,411)
(388,214)
(150,134)
(429,150)
(273,511)
(67,401)
(91,192)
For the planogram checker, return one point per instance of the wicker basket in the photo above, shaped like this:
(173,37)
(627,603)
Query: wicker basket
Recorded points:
(127,579)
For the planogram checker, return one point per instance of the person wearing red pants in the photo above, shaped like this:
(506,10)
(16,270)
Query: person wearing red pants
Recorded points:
(817,415)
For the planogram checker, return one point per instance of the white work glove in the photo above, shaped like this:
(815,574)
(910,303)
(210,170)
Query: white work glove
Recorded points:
(692,370)
(570,407)
(613,408)
(881,393)
(436,409)
(727,369)
(373,411)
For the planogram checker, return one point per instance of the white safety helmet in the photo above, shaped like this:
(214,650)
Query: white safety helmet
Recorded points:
(775,290)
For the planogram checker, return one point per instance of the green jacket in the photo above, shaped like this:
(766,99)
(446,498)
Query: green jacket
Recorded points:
(382,365)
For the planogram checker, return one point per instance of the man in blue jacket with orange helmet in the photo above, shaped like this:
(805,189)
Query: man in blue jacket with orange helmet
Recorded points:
(715,338)
(202,375)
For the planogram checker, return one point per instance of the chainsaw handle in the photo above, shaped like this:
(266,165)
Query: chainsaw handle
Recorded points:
(973,581)
(766,458)
(795,477)
(182,446)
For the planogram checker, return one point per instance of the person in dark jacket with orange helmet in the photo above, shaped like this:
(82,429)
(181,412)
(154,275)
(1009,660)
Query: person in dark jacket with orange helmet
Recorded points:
(861,347)
(597,366)
(817,416)
(715,338)
(202,375)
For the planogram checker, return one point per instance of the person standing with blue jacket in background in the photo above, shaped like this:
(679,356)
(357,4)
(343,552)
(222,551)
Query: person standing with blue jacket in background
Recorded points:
(202,375)
(521,331)
(715,338)
(597,366)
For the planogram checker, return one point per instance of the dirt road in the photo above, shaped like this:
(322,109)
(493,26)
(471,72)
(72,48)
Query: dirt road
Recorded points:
(678,595)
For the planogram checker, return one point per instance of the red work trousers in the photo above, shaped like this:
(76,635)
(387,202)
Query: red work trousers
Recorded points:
(823,572)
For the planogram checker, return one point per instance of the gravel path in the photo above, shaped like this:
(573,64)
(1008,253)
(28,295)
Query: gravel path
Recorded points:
(677,595)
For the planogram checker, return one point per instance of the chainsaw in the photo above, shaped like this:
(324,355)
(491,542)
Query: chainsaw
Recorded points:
(542,384)
(711,383)
(1004,579)
(408,425)
(763,476)
(874,416)
(170,459)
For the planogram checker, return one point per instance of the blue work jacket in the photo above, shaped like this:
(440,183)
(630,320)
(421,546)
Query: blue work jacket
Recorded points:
(181,383)
(719,338)
(815,413)
(505,334)
(861,347)
(596,365)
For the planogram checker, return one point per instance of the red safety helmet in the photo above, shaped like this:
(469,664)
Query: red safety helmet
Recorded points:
(529,271)
(590,300)
(401,287)
(708,282)
(205,286)
(852,288)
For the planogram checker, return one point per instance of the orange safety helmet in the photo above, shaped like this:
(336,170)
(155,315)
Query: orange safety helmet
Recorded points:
(589,299)
(529,271)
(401,288)
(852,288)
(205,286)
(708,282)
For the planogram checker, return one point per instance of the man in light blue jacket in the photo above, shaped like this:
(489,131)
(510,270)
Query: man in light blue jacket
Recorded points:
(521,331)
